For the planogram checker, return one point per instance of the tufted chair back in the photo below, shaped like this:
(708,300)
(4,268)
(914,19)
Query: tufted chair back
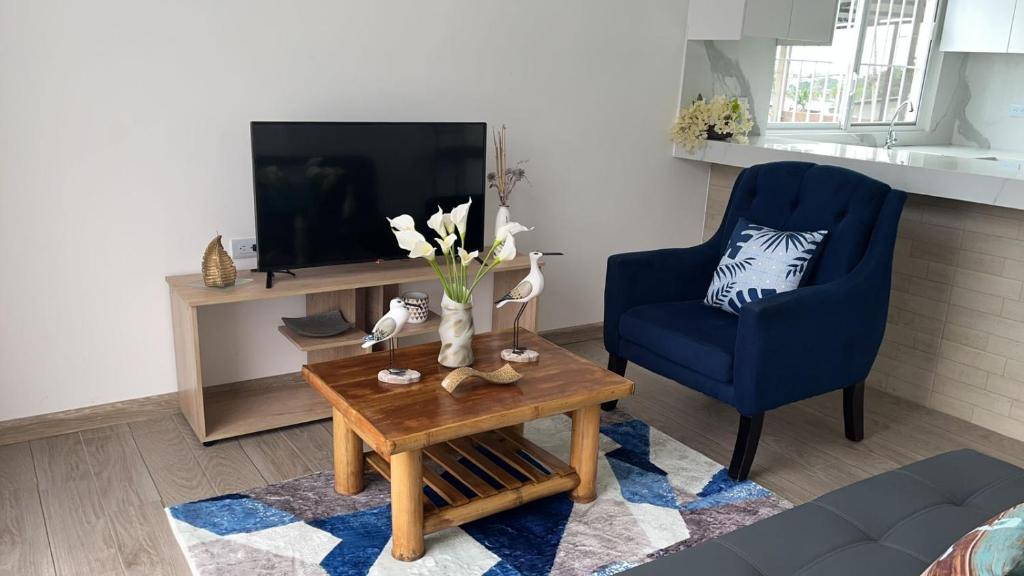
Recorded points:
(800,196)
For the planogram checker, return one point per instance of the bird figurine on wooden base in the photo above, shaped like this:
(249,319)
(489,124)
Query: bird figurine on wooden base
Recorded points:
(386,330)
(526,290)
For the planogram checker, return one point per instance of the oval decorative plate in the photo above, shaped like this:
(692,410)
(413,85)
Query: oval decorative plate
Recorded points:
(322,325)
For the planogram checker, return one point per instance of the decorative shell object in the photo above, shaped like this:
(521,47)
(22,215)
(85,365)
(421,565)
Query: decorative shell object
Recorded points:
(218,268)
(504,375)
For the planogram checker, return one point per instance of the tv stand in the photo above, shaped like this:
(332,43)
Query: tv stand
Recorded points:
(270,276)
(361,291)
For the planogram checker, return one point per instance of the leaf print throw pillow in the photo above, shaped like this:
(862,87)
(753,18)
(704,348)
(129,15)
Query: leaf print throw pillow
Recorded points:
(759,262)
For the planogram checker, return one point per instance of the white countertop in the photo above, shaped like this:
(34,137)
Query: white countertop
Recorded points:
(956,172)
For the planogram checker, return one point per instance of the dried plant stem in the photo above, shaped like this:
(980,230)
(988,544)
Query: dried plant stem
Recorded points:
(499,161)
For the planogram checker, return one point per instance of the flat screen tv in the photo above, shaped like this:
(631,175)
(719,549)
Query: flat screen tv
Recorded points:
(323,189)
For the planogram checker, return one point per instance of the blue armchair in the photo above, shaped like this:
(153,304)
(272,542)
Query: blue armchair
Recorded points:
(821,337)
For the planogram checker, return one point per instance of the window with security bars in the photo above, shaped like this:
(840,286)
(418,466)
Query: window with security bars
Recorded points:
(873,71)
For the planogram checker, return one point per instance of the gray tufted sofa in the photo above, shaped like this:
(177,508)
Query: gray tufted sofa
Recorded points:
(895,523)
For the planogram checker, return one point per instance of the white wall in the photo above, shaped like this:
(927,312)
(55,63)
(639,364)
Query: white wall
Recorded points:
(124,148)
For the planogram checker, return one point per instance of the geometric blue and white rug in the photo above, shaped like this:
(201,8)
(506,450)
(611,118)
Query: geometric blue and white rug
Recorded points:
(655,496)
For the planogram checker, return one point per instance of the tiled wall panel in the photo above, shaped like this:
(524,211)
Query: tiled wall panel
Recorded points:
(955,336)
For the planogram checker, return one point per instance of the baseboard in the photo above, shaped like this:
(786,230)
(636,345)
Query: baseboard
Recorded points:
(573,334)
(78,419)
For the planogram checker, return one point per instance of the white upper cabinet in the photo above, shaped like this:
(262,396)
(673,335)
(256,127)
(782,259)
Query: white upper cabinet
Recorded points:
(813,21)
(982,25)
(810,21)
(715,20)
(767,18)
(1016,44)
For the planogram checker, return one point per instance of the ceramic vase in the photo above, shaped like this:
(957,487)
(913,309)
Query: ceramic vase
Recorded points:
(456,332)
(504,216)
(419,312)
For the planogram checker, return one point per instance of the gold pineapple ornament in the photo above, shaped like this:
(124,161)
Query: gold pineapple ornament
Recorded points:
(218,268)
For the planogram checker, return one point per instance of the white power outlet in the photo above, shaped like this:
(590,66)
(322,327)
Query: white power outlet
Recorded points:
(1017,110)
(243,248)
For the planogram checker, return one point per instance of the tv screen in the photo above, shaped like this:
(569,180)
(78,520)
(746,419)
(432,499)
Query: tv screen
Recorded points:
(323,189)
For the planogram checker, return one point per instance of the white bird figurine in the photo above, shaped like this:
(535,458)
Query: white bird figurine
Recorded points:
(526,290)
(386,330)
(531,286)
(389,325)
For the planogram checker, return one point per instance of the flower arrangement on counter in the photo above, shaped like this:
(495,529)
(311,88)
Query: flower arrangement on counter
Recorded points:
(715,119)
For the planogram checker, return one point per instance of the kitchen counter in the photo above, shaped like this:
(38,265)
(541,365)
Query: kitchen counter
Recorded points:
(993,177)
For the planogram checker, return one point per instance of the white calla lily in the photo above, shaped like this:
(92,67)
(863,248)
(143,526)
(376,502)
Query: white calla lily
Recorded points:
(507,250)
(408,239)
(403,222)
(422,249)
(507,230)
(446,242)
(467,257)
(436,223)
(451,228)
(459,216)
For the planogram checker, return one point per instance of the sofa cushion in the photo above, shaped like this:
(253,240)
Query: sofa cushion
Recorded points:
(895,523)
(687,333)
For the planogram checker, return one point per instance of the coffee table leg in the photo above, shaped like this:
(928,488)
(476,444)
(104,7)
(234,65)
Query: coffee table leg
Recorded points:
(407,505)
(586,429)
(348,458)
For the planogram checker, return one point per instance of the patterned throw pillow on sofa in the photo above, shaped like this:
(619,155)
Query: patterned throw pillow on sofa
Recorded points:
(759,262)
(995,548)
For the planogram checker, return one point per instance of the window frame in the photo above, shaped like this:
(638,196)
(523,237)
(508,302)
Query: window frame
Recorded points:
(845,125)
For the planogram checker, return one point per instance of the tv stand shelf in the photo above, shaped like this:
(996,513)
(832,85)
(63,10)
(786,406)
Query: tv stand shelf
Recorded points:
(353,336)
(360,291)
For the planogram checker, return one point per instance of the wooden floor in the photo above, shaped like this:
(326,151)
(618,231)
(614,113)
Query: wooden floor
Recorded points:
(92,502)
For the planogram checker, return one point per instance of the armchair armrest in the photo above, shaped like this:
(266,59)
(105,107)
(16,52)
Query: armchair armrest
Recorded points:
(638,278)
(819,338)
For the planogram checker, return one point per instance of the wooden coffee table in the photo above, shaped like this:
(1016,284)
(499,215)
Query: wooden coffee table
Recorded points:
(480,423)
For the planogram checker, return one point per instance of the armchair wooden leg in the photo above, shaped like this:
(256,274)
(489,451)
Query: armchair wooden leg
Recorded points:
(853,411)
(616,364)
(746,446)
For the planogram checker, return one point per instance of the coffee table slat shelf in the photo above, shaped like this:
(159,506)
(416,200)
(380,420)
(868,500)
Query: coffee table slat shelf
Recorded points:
(470,452)
(384,469)
(449,460)
(485,500)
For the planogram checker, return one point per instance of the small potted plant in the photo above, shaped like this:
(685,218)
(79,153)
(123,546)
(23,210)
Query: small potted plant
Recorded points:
(456,330)
(720,118)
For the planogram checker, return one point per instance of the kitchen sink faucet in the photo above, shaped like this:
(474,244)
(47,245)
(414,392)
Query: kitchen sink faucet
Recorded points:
(890,138)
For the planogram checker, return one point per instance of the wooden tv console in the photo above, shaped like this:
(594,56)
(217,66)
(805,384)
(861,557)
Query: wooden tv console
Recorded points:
(360,291)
